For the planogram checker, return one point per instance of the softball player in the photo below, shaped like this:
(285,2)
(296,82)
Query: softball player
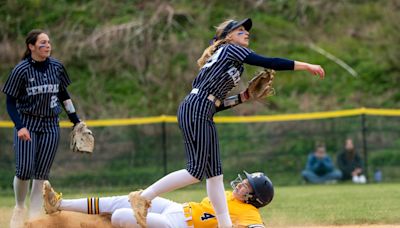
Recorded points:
(249,194)
(221,66)
(35,89)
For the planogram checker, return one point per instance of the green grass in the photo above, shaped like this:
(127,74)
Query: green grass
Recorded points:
(335,204)
(295,205)
(128,86)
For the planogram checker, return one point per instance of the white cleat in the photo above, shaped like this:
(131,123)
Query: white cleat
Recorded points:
(17,218)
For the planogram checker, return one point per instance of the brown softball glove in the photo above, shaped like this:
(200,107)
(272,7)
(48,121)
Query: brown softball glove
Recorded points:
(260,86)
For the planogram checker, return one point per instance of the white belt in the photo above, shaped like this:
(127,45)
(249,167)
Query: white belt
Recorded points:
(210,97)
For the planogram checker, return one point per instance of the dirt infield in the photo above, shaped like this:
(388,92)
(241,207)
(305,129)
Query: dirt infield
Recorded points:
(346,226)
(68,219)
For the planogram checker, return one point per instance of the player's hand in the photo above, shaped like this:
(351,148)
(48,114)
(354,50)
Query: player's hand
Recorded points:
(244,96)
(23,134)
(316,70)
(356,172)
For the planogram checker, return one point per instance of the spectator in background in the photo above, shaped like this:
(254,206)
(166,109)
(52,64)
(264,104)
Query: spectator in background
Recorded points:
(351,164)
(320,168)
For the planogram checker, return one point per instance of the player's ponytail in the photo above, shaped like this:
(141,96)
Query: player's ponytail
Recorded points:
(31,38)
(216,43)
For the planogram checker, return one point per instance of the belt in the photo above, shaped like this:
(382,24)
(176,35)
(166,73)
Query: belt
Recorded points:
(210,97)
(37,116)
(187,212)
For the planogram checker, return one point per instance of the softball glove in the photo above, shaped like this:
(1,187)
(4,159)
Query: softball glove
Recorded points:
(82,139)
(260,86)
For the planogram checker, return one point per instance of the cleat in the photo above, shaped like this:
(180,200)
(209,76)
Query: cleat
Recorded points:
(51,199)
(140,205)
(17,218)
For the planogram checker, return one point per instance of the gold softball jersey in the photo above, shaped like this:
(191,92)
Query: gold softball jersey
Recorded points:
(202,214)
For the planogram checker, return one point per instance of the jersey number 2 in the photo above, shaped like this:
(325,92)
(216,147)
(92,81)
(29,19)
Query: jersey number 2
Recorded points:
(53,102)
(206,216)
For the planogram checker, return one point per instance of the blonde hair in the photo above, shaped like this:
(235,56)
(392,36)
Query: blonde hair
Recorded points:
(209,51)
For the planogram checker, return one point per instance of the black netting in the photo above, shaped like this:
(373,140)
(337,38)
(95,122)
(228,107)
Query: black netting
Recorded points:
(137,155)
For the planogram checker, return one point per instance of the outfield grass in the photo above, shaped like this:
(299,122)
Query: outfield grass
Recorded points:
(335,204)
(295,205)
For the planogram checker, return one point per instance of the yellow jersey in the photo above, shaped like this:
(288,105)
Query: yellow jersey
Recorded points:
(203,215)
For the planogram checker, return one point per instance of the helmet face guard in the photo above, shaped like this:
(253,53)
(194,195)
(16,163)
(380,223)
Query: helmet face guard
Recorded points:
(262,187)
(238,181)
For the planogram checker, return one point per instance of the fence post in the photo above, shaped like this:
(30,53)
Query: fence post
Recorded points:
(164,146)
(364,141)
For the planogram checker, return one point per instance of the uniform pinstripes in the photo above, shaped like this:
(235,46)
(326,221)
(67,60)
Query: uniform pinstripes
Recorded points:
(46,151)
(36,89)
(195,114)
(35,86)
(222,71)
(200,137)
(34,158)
(40,124)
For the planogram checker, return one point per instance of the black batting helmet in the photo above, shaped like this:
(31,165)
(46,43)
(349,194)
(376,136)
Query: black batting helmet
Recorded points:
(262,187)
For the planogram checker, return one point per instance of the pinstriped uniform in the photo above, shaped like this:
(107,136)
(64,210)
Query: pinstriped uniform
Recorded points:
(35,86)
(218,76)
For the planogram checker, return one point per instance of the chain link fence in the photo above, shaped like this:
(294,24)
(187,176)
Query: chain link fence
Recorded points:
(139,154)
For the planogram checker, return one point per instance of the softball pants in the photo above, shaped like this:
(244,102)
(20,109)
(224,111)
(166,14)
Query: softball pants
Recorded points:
(195,118)
(34,158)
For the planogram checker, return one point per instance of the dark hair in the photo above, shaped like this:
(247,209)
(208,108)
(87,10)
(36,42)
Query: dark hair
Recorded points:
(319,144)
(31,38)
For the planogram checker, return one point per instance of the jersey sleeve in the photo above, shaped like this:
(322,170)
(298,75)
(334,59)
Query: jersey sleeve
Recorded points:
(62,73)
(64,78)
(267,62)
(237,53)
(15,83)
(13,112)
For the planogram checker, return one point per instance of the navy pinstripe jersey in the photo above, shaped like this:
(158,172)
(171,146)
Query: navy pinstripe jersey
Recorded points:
(221,73)
(36,88)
